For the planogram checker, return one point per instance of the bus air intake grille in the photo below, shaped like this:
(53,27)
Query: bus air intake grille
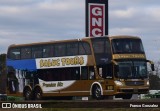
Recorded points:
(134,83)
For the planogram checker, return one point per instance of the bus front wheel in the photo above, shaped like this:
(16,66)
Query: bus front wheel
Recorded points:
(96,92)
(37,94)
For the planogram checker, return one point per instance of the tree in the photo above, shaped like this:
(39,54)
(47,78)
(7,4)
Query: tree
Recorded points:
(154,77)
(154,81)
(3,79)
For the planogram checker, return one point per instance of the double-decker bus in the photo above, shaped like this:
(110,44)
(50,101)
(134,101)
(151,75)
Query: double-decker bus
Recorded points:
(98,67)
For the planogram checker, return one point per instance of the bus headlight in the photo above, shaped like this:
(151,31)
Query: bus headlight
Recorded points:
(148,82)
(118,83)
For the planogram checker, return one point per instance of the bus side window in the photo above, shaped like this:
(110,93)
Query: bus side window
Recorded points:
(91,73)
(76,73)
(84,73)
(105,71)
(107,48)
(84,48)
(47,51)
(109,71)
(14,53)
(26,53)
(101,71)
(60,50)
(36,52)
(72,49)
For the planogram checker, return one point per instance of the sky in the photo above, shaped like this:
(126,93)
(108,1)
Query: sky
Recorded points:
(28,21)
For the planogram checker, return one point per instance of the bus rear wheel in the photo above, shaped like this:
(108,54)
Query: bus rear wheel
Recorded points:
(27,93)
(37,94)
(96,92)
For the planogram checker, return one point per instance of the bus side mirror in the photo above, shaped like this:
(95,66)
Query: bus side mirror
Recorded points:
(117,68)
(152,67)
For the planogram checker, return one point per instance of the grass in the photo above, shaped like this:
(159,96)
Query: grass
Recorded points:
(13,98)
(19,99)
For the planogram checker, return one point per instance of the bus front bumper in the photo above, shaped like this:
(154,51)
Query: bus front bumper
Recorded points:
(133,90)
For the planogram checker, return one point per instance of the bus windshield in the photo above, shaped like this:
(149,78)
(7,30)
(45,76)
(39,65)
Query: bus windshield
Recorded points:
(127,46)
(132,69)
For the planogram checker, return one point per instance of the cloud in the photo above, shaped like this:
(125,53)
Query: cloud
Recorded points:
(128,13)
(154,14)
(40,20)
(61,5)
(139,18)
(9,10)
(25,21)
(123,31)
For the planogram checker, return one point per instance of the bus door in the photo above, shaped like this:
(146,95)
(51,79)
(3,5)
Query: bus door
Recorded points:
(88,77)
(105,73)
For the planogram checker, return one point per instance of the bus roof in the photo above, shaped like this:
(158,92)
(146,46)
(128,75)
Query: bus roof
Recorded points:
(48,42)
(123,37)
(72,40)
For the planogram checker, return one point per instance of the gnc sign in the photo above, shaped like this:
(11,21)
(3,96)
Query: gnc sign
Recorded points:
(96,20)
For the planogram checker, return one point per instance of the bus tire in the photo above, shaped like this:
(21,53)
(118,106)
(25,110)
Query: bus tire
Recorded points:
(27,93)
(37,93)
(96,92)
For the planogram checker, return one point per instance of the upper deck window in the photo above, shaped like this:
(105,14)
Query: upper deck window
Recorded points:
(101,45)
(36,52)
(14,53)
(84,48)
(102,50)
(47,51)
(127,46)
(25,53)
(60,50)
(72,49)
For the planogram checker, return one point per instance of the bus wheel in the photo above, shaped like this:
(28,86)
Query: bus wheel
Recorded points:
(128,96)
(27,93)
(37,94)
(96,92)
